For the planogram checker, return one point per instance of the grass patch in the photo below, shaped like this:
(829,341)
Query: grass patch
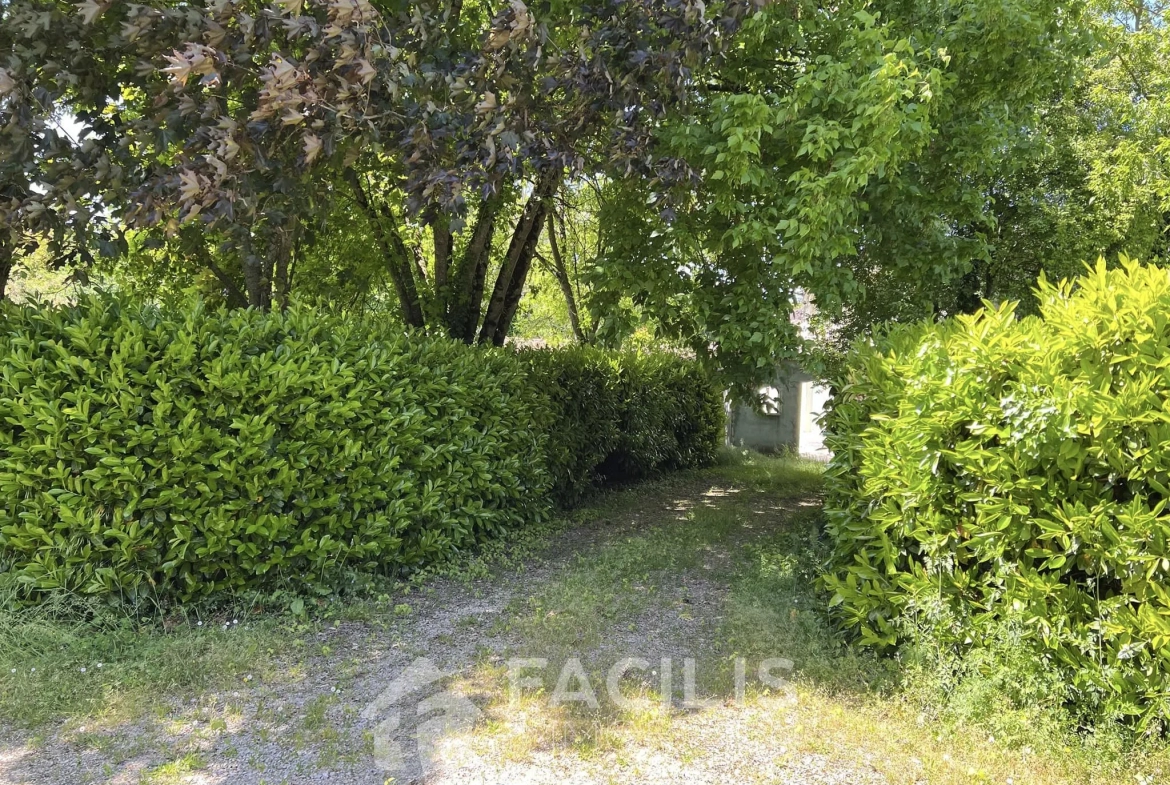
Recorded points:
(783,477)
(175,772)
(111,670)
(95,665)
(911,718)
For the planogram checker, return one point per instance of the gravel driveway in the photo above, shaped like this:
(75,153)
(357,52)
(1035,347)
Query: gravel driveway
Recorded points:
(426,695)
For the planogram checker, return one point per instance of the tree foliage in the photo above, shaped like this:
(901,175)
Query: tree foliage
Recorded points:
(257,120)
(709,165)
(838,149)
(1085,177)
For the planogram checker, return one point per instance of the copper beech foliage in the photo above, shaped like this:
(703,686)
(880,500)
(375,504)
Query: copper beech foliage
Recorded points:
(245,118)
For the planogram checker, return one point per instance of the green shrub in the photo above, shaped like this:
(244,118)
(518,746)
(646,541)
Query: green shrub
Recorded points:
(194,451)
(624,416)
(173,453)
(991,471)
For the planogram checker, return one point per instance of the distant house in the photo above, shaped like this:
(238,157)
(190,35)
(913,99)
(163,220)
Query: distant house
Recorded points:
(787,421)
(792,405)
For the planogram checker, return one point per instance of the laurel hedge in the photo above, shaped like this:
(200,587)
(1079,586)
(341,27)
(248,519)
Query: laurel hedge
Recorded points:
(990,470)
(177,452)
(625,416)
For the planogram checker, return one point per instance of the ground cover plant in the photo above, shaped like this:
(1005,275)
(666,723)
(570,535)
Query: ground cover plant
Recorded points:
(1001,483)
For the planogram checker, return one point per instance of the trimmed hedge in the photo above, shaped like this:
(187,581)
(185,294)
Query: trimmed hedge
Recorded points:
(179,452)
(991,471)
(624,416)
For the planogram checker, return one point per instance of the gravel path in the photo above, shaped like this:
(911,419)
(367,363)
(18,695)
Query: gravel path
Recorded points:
(433,681)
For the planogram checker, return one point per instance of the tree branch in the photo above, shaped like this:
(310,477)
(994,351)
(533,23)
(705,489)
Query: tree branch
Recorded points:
(510,281)
(235,296)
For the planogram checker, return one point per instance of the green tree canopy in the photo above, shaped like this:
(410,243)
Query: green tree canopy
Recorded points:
(700,167)
(843,153)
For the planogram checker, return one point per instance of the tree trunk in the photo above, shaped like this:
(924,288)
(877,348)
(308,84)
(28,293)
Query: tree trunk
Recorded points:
(516,287)
(286,242)
(235,297)
(305,237)
(561,273)
(253,277)
(441,233)
(467,278)
(395,251)
(509,285)
(5,267)
(194,244)
(267,266)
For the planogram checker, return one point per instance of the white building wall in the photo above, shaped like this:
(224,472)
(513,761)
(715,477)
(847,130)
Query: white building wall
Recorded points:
(788,421)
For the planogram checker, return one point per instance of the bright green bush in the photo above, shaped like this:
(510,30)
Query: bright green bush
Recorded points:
(991,471)
(623,416)
(194,451)
(180,452)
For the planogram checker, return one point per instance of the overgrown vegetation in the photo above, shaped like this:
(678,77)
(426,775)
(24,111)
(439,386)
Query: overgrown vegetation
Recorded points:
(152,452)
(1000,485)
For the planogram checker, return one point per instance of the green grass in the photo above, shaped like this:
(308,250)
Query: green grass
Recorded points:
(114,669)
(175,772)
(782,477)
(626,574)
(914,718)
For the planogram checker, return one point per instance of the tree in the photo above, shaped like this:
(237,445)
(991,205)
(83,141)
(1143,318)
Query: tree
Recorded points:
(1090,176)
(838,150)
(1122,116)
(891,159)
(257,121)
